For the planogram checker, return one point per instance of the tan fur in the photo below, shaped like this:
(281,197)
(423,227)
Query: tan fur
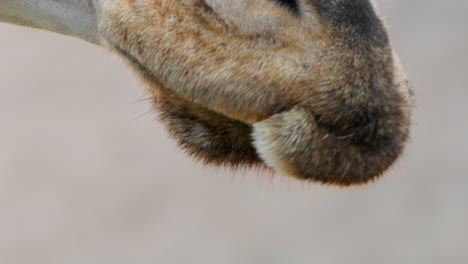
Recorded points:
(246,82)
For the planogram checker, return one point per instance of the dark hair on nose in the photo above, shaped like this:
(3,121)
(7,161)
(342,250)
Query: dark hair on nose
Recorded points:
(291,5)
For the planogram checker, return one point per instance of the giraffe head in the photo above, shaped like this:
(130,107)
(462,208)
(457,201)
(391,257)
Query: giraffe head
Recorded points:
(310,88)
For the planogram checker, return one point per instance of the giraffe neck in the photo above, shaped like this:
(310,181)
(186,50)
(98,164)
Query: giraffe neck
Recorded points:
(74,18)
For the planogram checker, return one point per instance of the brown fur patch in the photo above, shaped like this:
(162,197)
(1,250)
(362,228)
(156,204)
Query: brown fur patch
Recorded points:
(323,88)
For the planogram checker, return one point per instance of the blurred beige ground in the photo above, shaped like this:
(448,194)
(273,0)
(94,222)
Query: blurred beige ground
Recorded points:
(84,179)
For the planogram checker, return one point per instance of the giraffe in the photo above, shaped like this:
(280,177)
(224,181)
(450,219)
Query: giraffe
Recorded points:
(309,88)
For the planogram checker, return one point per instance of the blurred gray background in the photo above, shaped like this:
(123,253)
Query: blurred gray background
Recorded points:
(87,175)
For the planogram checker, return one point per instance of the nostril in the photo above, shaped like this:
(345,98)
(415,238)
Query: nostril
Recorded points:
(206,8)
(290,4)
